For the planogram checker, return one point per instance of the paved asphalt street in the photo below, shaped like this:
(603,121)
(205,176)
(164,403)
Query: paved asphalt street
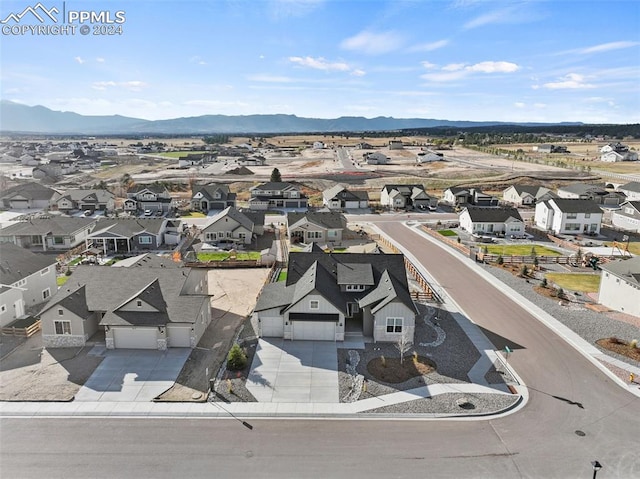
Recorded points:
(567,394)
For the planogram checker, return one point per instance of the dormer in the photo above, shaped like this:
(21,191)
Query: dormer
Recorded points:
(354,277)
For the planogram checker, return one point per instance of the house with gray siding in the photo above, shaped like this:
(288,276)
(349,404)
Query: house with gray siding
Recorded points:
(277,195)
(526,195)
(83,200)
(26,280)
(326,294)
(29,195)
(631,190)
(620,286)
(339,198)
(126,235)
(627,218)
(215,196)
(48,233)
(595,193)
(155,198)
(406,197)
(232,225)
(316,226)
(142,307)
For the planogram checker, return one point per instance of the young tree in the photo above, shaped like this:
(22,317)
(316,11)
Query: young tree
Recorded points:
(276,177)
(403,344)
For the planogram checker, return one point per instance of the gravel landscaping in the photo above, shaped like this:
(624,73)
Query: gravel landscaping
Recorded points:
(588,324)
(449,404)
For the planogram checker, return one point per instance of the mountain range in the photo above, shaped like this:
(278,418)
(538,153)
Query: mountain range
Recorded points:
(20,118)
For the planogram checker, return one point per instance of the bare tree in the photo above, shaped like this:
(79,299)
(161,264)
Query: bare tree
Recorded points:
(403,344)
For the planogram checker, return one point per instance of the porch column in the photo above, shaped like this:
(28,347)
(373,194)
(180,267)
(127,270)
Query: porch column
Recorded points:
(104,247)
(44,243)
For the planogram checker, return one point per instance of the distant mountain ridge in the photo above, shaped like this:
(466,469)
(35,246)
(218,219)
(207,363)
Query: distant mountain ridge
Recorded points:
(19,118)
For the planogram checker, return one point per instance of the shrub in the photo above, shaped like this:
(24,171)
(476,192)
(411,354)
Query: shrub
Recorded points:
(523,270)
(384,361)
(544,283)
(500,260)
(561,293)
(633,344)
(236,359)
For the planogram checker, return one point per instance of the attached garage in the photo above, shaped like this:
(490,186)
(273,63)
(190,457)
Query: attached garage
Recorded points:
(179,336)
(314,327)
(272,327)
(135,338)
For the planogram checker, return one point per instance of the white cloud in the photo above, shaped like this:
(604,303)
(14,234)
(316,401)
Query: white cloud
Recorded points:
(572,81)
(540,105)
(522,12)
(270,79)
(134,85)
(456,71)
(519,104)
(605,47)
(373,43)
(428,65)
(358,73)
(80,60)
(319,64)
(100,60)
(429,47)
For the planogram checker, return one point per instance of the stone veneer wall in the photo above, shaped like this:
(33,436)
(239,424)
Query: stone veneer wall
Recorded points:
(62,341)
(162,344)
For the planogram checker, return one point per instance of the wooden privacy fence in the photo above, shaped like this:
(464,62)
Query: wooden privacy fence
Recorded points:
(427,293)
(493,258)
(447,239)
(227,264)
(26,331)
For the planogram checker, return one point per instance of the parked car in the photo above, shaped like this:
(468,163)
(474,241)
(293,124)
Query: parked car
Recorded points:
(88,213)
(148,212)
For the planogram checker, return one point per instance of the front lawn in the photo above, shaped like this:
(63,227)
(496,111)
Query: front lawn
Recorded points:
(193,214)
(582,282)
(447,233)
(283,275)
(223,255)
(520,250)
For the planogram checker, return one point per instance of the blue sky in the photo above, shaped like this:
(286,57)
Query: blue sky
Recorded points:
(542,61)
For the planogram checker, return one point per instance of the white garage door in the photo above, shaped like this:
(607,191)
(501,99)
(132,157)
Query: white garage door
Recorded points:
(272,327)
(135,338)
(179,336)
(314,330)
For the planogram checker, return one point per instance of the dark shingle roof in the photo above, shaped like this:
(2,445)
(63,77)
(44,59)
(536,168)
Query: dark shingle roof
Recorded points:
(567,205)
(404,190)
(56,225)
(17,263)
(481,214)
(208,191)
(127,227)
(582,188)
(326,219)
(275,186)
(631,186)
(628,269)
(353,273)
(30,190)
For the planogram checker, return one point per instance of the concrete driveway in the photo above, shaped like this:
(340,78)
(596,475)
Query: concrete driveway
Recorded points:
(294,371)
(133,375)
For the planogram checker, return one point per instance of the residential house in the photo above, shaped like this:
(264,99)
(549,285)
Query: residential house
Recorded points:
(276,195)
(614,152)
(395,145)
(55,169)
(233,225)
(376,158)
(318,145)
(326,293)
(620,286)
(26,279)
(568,216)
(490,220)
(407,197)
(137,307)
(428,157)
(631,190)
(460,196)
(595,193)
(339,198)
(48,233)
(31,195)
(546,148)
(126,235)
(627,217)
(526,195)
(85,200)
(148,197)
(214,196)
(316,227)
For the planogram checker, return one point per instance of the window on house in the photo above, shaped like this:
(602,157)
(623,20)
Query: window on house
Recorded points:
(587,215)
(572,227)
(44,271)
(144,240)
(46,293)
(394,325)
(3,308)
(139,303)
(62,327)
(58,240)
(242,235)
(314,304)
(60,312)
(352,308)
(572,216)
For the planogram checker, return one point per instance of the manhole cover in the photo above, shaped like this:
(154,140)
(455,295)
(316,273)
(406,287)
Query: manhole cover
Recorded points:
(580,433)
(465,404)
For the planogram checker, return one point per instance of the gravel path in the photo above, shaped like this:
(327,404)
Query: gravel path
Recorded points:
(588,324)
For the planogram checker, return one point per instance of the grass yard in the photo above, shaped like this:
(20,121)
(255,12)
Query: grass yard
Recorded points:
(180,154)
(520,250)
(447,233)
(61,280)
(194,214)
(282,276)
(582,282)
(223,255)
(634,246)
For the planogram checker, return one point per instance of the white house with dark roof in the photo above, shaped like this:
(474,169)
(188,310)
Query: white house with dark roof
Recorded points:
(339,198)
(276,195)
(83,200)
(215,196)
(620,286)
(568,216)
(489,220)
(233,225)
(30,195)
(627,218)
(325,294)
(614,152)
(26,280)
(316,227)
(461,196)
(137,307)
(48,233)
(631,190)
(526,195)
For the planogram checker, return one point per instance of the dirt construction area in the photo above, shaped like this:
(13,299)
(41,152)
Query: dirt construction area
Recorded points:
(30,373)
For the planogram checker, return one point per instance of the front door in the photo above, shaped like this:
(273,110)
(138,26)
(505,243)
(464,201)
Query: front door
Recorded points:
(19,307)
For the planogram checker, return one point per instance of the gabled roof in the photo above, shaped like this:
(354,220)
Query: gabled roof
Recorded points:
(55,225)
(98,195)
(275,186)
(208,191)
(354,273)
(17,263)
(31,191)
(106,288)
(457,190)
(479,214)
(146,260)
(627,269)
(567,205)
(127,227)
(325,219)
(583,188)
(631,186)
(387,290)
(404,190)
(234,214)
(154,188)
